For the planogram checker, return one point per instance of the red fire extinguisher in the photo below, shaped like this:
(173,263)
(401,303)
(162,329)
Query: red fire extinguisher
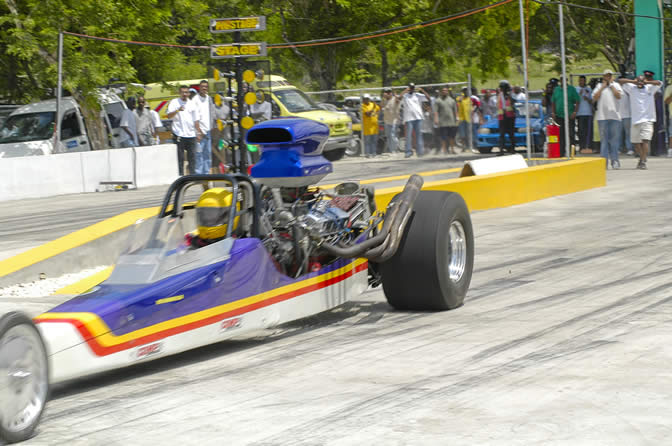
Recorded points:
(553,135)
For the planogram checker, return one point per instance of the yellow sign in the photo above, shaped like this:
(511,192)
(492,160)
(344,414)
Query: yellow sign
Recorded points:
(552,138)
(230,50)
(234,24)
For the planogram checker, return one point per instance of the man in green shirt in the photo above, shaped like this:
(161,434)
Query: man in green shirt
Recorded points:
(558,108)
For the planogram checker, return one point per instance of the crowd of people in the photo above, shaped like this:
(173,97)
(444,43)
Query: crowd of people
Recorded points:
(628,114)
(441,122)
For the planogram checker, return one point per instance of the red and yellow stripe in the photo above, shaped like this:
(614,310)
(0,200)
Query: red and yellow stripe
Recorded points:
(103,341)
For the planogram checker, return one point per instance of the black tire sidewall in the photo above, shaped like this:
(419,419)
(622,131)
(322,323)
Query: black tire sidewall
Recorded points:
(7,322)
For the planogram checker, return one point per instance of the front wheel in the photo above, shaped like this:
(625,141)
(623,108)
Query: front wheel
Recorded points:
(432,267)
(24,377)
(354,147)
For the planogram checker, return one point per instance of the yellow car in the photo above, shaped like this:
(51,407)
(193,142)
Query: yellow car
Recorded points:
(286,101)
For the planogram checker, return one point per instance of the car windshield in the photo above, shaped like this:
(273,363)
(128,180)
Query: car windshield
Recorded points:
(27,127)
(534,109)
(295,101)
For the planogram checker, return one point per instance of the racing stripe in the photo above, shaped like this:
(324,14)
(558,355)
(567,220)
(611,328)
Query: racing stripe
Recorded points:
(103,342)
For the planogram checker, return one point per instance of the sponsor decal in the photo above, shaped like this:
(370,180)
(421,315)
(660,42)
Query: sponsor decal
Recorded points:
(145,351)
(230,324)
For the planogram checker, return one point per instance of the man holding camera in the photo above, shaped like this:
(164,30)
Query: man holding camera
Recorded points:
(642,113)
(606,94)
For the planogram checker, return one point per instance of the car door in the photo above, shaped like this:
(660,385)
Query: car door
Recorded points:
(73,138)
(112,116)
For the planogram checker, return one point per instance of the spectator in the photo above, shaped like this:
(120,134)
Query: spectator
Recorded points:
(518,94)
(624,111)
(145,124)
(128,124)
(606,94)
(206,113)
(370,112)
(186,128)
(506,114)
(642,113)
(464,116)
(445,116)
(546,99)
(658,141)
(221,130)
(156,120)
(476,117)
(585,115)
(558,109)
(192,93)
(428,126)
(412,104)
(391,105)
(668,100)
(261,110)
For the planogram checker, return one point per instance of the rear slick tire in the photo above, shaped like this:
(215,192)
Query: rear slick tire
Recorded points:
(432,268)
(24,377)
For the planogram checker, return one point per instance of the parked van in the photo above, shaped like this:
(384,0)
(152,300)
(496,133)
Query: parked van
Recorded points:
(29,130)
(286,101)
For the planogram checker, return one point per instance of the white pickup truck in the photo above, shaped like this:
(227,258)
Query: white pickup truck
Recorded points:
(29,130)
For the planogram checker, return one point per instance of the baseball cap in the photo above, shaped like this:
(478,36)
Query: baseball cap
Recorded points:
(387,90)
(608,71)
(366,96)
(193,90)
(411,85)
(649,73)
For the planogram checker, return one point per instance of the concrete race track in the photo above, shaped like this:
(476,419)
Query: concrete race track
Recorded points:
(564,339)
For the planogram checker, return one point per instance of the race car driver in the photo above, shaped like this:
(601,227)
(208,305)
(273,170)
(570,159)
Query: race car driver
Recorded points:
(212,217)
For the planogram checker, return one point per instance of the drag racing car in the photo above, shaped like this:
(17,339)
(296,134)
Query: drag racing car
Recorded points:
(252,252)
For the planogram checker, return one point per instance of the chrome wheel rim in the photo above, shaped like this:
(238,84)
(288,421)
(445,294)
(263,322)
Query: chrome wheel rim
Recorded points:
(458,251)
(23,378)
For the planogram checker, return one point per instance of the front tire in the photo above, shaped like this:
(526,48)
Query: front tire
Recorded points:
(24,377)
(432,268)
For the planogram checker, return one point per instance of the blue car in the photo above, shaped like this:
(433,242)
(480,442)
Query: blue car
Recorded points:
(488,133)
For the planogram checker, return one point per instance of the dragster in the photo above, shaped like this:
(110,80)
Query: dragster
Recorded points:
(278,249)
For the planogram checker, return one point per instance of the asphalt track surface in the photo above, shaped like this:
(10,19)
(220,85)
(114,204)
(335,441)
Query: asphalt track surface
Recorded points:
(564,339)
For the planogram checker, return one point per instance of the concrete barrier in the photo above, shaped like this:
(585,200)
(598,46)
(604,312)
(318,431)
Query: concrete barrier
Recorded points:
(72,173)
(84,248)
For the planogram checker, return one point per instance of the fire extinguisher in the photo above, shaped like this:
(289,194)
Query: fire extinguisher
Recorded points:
(553,136)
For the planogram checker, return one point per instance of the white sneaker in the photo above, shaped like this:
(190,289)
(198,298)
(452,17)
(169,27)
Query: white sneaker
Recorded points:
(632,153)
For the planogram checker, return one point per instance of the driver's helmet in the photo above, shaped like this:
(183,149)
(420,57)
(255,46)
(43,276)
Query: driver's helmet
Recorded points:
(212,213)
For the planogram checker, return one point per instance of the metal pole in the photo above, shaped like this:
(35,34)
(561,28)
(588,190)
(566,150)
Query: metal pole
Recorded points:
(527,89)
(564,77)
(362,146)
(59,87)
(471,118)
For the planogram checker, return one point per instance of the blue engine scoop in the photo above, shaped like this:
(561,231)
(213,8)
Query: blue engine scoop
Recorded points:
(291,152)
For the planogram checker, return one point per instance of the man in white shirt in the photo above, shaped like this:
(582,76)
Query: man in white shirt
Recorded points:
(205,106)
(518,94)
(186,129)
(261,110)
(128,124)
(413,115)
(642,113)
(624,110)
(607,93)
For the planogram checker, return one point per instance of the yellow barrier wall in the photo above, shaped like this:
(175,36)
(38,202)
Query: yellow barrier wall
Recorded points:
(504,189)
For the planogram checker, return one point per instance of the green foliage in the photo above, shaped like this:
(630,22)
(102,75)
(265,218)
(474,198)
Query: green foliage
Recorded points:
(482,44)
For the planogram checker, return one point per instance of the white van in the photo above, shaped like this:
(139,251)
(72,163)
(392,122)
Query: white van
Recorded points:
(29,130)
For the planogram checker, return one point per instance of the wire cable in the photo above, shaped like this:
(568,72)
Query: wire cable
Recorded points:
(592,8)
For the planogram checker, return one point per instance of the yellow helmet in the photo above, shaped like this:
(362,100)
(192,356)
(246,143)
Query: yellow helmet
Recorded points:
(212,213)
